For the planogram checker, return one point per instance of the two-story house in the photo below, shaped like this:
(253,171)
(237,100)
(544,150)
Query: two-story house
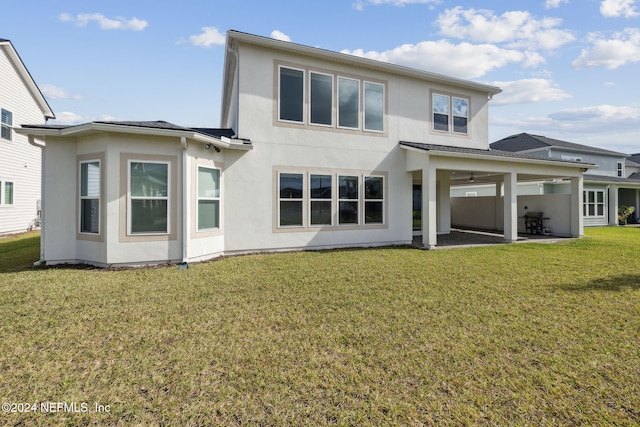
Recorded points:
(318,149)
(20,163)
(610,185)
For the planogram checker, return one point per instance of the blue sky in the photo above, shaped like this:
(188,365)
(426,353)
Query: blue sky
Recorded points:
(569,69)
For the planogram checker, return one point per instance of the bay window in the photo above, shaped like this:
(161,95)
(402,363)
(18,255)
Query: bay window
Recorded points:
(90,197)
(148,201)
(208,210)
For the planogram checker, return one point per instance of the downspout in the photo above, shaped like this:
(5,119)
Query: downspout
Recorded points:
(33,142)
(186,208)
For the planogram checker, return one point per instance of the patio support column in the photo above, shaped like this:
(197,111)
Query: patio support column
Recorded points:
(498,203)
(577,224)
(429,207)
(444,201)
(613,205)
(510,207)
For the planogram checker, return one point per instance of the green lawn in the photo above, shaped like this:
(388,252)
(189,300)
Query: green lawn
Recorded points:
(525,334)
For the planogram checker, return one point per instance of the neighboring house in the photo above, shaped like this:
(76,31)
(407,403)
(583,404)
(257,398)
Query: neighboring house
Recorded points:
(20,162)
(611,185)
(318,150)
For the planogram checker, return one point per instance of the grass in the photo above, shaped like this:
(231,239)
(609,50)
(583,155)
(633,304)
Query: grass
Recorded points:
(526,334)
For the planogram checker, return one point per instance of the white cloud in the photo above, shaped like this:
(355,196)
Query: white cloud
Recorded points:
(462,60)
(516,28)
(528,91)
(279,35)
(210,36)
(617,8)
(554,4)
(119,23)
(621,49)
(54,92)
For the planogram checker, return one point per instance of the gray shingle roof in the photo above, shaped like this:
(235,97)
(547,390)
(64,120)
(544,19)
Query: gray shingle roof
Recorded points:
(159,124)
(526,141)
(478,152)
(632,179)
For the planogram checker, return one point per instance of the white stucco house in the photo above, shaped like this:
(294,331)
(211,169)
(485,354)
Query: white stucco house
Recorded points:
(317,149)
(20,163)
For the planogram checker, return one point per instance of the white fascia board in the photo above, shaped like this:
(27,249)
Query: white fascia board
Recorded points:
(360,61)
(26,77)
(542,161)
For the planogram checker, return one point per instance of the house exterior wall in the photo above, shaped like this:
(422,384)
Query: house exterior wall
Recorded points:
(251,178)
(20,162)
(607,165)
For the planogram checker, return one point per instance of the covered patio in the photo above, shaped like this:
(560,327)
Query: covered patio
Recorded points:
(435,169)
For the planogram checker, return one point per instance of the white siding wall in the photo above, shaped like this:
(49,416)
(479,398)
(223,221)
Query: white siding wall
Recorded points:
(20,162)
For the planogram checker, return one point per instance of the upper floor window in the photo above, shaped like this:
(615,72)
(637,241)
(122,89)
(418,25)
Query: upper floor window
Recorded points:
(348,103)
(321,99)
(310,97)
(6,193)
(621,169)
(373,106)
(6,124)
(291,95)
(450,113)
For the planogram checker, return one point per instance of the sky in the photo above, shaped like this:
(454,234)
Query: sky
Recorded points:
(568,69)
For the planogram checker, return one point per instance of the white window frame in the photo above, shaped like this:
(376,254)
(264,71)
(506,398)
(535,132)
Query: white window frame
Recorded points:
(6,124)
(595,203)
(364,107)
(81,197)
(130,198)
(450,115)
(381,201)
(312,199)
(204,198)
(620,169)
(3,192)
(359,107)
(358,199)
(304,91)
(333,118)
(301,200)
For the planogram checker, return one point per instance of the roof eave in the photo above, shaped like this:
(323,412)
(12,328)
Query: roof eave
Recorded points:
(501,159)
(28,79)
(88,128)
(360,61)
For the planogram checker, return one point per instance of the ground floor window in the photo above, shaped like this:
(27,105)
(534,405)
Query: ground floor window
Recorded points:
(330,199)
(90,196)
(208,211)
(593,205)
(6,193)
(148,199)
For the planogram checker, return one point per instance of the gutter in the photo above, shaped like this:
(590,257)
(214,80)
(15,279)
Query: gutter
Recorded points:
(186,209)
(33,142)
